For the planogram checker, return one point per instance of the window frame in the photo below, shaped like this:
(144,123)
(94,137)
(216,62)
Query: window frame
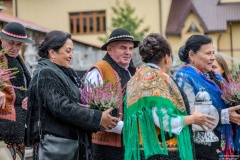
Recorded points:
(79,27)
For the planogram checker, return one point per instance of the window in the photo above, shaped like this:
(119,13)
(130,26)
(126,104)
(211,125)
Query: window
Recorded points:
(87,22)
(193,28)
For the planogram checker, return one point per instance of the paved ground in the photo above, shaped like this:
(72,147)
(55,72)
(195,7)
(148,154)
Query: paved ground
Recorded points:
(28,154)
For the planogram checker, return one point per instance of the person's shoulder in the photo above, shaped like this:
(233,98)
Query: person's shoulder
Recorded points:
(102,65)
(179,73)
(93,69)
(185,71)
(45,72)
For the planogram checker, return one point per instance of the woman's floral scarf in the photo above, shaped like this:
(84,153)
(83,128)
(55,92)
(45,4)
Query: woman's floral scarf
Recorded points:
(150,88)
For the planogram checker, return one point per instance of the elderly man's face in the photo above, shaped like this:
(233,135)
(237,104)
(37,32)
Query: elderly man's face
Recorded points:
(121,52)
(11,47)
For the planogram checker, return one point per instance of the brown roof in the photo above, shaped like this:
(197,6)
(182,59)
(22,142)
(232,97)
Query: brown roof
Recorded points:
(212,15)
(9,18)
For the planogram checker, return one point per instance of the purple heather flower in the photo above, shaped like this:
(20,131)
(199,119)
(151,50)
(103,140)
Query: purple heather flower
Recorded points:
(103,96)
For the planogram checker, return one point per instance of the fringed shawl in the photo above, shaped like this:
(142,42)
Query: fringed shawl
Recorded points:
(150,88)
(198,80)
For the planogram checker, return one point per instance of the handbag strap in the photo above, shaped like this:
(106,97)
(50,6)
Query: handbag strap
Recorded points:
(39,108)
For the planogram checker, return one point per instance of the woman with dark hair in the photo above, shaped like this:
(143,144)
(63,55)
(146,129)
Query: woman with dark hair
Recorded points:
(220,66)
(198,53)
(54,97)
(156,120)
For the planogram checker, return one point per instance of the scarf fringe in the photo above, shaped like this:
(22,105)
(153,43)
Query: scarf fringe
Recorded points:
(149,137)
(142,124)
(184,144)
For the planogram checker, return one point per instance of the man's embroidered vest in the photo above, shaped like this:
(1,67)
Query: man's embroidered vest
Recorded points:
(101,137)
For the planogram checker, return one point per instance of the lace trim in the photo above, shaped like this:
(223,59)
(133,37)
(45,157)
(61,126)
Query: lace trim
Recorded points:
(225,116)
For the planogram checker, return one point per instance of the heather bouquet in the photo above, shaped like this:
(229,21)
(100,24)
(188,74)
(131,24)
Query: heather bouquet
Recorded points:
(231,91)
(6,74)
(102,96)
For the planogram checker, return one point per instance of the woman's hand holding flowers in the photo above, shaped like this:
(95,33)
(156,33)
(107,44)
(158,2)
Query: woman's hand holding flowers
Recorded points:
(108,122)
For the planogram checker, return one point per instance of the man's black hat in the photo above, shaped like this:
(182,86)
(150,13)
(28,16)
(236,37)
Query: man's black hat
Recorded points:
(120,34)
(16,32)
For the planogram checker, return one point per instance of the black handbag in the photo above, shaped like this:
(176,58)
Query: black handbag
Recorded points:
(55,148)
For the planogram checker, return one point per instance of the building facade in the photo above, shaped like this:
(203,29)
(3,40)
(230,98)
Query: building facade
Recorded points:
(85,54)
(87,20)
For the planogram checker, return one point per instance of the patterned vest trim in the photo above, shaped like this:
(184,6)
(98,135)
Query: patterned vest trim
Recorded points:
(101,137)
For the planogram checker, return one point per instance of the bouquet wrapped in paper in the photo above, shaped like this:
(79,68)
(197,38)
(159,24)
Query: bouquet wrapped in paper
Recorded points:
(102,96)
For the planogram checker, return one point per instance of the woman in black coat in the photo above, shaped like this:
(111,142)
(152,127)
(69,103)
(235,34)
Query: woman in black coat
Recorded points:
(54,98)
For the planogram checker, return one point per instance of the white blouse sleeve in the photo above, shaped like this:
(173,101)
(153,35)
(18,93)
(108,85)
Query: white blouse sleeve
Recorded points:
(176,122)
(225,116)
(93,76)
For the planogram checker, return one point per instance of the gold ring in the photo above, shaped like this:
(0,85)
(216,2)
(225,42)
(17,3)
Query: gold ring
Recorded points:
(110,126)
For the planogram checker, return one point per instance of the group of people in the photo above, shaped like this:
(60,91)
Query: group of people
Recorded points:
(156,116)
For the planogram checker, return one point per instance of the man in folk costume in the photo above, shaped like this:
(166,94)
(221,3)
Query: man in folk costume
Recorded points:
(115,66)
(12,115)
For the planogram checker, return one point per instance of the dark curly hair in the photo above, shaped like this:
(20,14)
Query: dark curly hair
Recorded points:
(53,40)
(194,43)
(153,48)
